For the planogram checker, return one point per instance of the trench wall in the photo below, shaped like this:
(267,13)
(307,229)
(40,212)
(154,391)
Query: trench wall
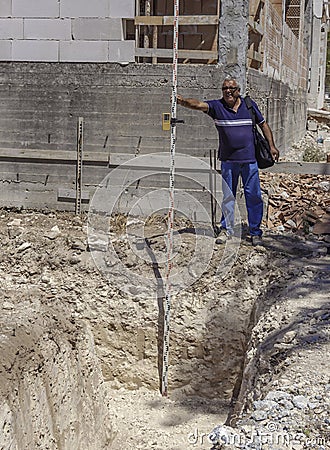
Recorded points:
(122,110)
(47,401)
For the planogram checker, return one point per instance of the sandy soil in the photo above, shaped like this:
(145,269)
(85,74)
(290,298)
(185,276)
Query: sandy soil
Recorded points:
(267,321)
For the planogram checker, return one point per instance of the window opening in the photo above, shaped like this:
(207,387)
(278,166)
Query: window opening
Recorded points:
(198,37)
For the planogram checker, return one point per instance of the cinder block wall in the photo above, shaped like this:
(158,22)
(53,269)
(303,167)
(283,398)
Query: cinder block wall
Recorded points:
(65,30)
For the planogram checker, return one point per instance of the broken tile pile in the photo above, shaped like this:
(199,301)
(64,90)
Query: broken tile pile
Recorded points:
(297,203)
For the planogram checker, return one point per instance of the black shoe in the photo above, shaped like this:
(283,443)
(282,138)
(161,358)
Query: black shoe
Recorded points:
(216,231)
(256,240)
(223,237)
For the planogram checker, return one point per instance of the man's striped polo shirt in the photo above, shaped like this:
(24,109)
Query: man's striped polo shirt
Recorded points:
(236,140)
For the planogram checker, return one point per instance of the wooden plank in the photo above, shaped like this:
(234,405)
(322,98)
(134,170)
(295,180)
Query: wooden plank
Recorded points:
(148,20)
(192,20)
(154,42)
(255,55)
(183,20)
(256,27)
(216,36)
(168,53)
(62,155)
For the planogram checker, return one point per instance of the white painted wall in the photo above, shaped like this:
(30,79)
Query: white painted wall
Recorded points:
(65,30)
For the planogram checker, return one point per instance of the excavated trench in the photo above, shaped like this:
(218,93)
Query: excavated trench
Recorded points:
(209,319)
(69,334)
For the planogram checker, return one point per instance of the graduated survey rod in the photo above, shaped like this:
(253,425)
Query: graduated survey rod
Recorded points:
(79,165)
(167,308)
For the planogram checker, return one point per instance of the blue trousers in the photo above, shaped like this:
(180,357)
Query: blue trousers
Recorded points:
(250,177)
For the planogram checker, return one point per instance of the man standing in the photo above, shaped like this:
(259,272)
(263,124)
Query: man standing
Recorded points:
(236,152)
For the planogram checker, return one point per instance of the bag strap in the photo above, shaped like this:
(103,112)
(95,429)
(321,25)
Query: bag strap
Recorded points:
(248,103)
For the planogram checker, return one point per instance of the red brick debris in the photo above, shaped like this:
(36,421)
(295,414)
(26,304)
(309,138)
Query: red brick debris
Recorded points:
(300,203)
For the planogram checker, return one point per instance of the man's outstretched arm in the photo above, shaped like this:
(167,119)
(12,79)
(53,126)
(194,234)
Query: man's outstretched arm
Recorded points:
(192,103)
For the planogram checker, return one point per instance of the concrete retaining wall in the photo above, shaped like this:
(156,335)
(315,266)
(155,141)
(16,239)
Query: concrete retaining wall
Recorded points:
(122,109)
(284,109)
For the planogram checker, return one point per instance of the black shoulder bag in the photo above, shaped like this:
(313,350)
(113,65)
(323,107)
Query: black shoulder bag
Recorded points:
(263,155)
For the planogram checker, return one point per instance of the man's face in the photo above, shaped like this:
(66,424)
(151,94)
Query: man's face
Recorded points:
(230,92)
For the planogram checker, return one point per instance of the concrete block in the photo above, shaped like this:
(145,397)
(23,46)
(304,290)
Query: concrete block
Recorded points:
(312,125)
(5,50)
(5,8)
(122,51)
(97,29)
(11,28)
(84,51)
(59,29)
(35,8)
(34,50)
(122,8)
(84,8)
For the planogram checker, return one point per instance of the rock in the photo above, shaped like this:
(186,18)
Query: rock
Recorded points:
(14,223)
(75,259)
(278,395)
(287,404)
(325,186)
(14,232)
(23,247)
(291,223)
(97,244)
(222,434)
(45,279)
(53,233)
(260,415)
(289,337)
(300,401)
(78,245)
(7,305)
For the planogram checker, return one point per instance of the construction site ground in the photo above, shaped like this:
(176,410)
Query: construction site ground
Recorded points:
(250,349)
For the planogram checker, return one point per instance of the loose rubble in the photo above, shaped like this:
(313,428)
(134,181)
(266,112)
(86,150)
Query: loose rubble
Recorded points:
(298,203)
(287,404)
